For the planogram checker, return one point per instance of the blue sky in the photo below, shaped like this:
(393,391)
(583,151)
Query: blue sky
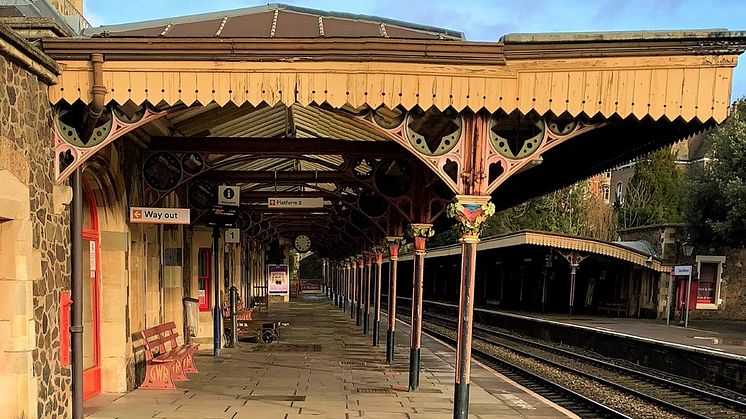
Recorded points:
(480,20)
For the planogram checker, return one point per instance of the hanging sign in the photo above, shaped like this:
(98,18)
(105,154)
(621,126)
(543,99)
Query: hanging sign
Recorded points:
(682,270)
(279,279)
(295,202)
(233,235)
(145,215)
(229,195)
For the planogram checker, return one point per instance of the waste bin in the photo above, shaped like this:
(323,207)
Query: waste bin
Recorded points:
(191,318)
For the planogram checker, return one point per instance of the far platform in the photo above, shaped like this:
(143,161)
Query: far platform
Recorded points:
(325,367)
(726,338)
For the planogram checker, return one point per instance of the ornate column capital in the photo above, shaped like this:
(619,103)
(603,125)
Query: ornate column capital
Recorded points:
(420,233)
(394,243)
(471,211)
(360,260)
(368,258)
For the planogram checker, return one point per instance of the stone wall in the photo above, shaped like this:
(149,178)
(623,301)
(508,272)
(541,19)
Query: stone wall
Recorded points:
(732,291)
(31,364)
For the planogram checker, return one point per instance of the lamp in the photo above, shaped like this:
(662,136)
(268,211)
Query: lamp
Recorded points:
(688,248)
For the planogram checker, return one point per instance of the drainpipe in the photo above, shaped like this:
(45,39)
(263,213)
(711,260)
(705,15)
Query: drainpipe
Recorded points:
(98,90)
(76,288)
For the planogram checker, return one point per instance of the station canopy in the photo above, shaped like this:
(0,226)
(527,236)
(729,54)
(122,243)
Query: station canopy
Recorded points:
(386,121)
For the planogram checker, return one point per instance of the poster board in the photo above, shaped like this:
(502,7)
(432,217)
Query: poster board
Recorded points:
(278,277)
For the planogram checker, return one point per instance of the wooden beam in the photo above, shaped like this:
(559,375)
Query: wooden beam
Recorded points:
(279,176)
(278,146)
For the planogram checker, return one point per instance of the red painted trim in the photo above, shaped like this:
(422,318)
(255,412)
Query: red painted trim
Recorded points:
(65,303)
(206,279)
(92,375)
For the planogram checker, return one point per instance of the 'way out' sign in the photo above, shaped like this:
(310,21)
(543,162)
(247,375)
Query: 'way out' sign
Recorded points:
(299,202)
(145,215)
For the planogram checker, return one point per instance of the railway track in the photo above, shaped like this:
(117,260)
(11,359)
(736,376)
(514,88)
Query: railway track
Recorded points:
(542,362)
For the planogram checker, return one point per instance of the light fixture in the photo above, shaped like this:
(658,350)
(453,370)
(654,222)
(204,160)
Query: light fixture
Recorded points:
(687,247)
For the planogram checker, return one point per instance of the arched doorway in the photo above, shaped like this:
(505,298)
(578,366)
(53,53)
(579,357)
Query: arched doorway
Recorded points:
(91,296)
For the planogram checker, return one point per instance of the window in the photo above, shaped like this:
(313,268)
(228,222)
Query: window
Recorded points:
(619,191)
(605,191)
(204,278)
(709,273)
(607,174)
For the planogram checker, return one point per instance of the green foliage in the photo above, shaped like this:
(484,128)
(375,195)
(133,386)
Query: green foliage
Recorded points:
(310,267)
(715,199)
(653,194)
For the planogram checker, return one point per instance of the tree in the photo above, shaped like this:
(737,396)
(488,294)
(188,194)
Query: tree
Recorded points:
(715,199)
(653,194)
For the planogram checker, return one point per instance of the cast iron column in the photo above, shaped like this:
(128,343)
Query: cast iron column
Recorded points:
(377,296)
(366,290)
(420,233)
(216,292)
(470,211)
(76,292)
(357,267)
(393,244)
(352,280)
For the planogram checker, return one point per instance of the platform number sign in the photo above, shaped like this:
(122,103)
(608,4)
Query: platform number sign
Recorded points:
(233,235)
(229,195)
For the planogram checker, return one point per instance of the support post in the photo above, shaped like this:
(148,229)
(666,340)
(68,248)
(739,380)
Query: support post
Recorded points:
(393,245)
(420,234)
(377,294)
(76,292)
(234,312)
(470,211)
(216,320)
(574,259)
(366,291)
(357,268)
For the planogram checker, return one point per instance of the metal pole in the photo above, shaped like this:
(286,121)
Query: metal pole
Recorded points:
(377,318)
(76,291)
(688,295)
(573,271)
(216,320)
(420,238)
(390,335)
(366,296)
(466,312)
(358,279)
(234,320)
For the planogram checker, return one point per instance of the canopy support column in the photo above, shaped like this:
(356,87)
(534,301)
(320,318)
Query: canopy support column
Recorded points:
(420,233)
(366,291)
(216,287)
(76,292)
(470,211)
(393,245)
(357,267)
(377,302)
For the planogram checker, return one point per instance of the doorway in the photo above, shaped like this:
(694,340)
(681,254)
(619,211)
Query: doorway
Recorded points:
(91,297)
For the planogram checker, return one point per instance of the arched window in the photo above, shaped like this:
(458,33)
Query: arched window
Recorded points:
(619,197)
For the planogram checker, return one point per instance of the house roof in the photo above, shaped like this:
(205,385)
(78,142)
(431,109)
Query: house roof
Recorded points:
(274,21)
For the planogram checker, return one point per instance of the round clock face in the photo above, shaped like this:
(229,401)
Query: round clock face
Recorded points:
(302,243)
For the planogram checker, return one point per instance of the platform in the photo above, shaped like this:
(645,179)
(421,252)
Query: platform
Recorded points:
(325,367)
(727,338)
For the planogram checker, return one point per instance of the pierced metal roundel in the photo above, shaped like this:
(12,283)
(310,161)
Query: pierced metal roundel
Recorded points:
(72,135)
(162,171)
(362,168)
(433,132)
(516,136)
(192,163)
(394,177)
(388,118)
(562,125)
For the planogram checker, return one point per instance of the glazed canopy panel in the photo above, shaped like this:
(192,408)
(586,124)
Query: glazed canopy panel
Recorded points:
(689,87)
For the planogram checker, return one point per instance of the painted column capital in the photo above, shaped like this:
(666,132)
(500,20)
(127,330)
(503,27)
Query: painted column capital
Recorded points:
(420,233)
(360,260)
(471,211)
(393,243)
(368,258)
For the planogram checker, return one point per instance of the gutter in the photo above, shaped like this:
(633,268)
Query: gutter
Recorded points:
(98,90)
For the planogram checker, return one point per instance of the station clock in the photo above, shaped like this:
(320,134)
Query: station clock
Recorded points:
(302,243)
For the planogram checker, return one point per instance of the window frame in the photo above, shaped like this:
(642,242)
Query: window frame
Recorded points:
(207,278)
(720,261)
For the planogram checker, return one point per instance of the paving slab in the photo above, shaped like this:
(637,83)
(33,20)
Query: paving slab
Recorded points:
(325,367)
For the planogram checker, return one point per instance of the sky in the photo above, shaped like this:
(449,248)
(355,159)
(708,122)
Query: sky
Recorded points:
(480,20)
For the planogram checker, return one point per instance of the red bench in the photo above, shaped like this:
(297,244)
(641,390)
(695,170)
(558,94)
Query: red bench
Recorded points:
(166,361)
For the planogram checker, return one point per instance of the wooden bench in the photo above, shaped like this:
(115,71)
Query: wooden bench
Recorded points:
(619,308)
(165,360)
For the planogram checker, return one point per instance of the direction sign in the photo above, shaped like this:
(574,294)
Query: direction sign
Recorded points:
(146,215)
(229,195)
(299,202)
(233,235)
(682,270)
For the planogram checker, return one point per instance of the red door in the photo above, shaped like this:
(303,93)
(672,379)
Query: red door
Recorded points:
(91,298)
